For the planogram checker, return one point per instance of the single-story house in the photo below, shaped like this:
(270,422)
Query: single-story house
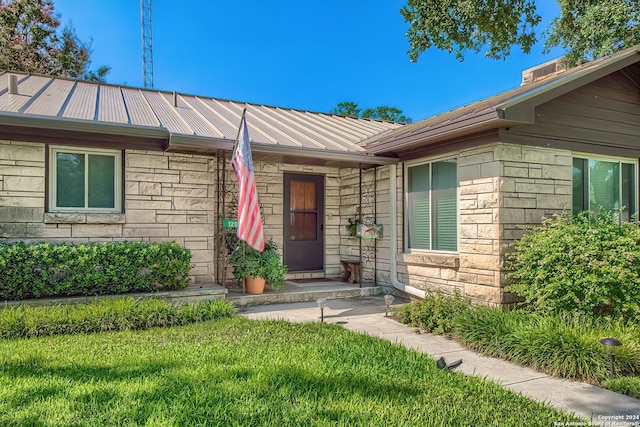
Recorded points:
(83,161)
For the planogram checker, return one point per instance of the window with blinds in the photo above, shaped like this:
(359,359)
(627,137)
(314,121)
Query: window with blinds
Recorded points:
(432,214)
(605,184)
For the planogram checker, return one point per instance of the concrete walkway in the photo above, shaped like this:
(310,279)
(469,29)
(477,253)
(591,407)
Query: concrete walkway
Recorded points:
(366,314)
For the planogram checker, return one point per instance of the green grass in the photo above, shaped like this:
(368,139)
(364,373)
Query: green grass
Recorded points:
(625,385)
(238,372)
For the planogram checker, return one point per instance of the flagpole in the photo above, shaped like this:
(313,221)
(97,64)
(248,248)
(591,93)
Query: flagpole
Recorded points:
(244,246)
(235,147)
(244,112)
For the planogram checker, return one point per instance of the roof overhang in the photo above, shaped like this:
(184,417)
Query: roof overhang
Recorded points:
(75,132)
(500,111)
(57,130)
(439,132)
(277,153)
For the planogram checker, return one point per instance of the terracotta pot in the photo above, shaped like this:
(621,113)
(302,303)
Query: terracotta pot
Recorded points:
(254,285)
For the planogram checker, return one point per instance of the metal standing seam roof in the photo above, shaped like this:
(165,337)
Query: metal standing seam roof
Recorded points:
(503,109)
(88,104)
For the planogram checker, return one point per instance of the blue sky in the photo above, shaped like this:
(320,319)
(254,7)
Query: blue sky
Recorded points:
(301,54)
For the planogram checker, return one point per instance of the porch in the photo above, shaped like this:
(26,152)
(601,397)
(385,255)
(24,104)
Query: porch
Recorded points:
(292,291)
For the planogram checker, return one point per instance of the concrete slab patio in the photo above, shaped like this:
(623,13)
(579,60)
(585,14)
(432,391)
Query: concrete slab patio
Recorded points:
(366,315)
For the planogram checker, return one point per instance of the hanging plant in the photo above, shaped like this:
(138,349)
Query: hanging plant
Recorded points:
(353,225)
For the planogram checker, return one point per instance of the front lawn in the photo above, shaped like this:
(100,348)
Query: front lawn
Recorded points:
(239,372)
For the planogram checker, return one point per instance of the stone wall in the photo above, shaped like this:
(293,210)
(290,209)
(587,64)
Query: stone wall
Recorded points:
(349,210)
(171,197)
(502,188)
(22,189)
(168,197)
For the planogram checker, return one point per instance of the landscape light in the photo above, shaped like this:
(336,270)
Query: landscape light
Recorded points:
(322,303)
(388,299)
(611,345)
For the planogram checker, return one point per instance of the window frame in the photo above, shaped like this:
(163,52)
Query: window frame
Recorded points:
(430,161)
(611,159)
(117,181)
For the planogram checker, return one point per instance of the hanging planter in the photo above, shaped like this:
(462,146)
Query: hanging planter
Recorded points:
(352,227)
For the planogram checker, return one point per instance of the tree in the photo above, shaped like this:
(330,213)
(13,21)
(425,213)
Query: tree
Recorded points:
(31,42)
(592,29)
(383,112)
(390,114)
(586,29)
(346,108)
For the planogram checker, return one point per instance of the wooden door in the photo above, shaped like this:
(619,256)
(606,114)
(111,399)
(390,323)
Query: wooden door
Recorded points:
(303,222)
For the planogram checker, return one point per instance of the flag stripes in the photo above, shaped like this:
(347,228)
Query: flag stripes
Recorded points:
(249,221)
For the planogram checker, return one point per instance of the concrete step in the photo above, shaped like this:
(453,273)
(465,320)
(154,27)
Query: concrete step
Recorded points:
(291,292)
(307,292)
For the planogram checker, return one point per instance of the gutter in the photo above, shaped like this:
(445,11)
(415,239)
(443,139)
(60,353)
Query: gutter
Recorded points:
(393,192)
(77,125)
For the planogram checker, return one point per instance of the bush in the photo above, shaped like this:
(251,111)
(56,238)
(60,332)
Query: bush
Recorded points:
(559,345)
(117,314)
(435,313)
(44,270)
(565,346)
(587,265)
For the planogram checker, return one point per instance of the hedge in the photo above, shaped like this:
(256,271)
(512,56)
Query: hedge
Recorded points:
(48,270)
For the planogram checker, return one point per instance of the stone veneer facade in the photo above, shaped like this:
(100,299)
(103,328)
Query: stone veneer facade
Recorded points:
(172,197)
(167,197)
(502,189)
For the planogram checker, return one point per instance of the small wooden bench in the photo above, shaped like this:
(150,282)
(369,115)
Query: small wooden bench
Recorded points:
(350,270)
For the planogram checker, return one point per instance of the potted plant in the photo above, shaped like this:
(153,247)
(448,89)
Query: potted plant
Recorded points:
(352,226)
(250,264)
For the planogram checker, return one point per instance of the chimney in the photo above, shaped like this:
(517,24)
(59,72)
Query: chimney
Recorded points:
(13,84)
(543,71)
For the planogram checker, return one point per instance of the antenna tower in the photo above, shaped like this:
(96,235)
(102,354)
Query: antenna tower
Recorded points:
(147,45)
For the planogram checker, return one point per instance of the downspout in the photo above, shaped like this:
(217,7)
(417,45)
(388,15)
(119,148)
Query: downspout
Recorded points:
(393,235)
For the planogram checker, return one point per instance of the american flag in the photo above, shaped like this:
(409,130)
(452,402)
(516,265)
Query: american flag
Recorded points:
(249,221)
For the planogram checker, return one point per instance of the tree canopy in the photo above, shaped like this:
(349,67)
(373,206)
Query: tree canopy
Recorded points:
(586,29)
(32,43)
(383,112)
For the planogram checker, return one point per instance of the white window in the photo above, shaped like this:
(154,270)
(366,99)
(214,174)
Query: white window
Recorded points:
(605,184)
(431,205)
(85,180)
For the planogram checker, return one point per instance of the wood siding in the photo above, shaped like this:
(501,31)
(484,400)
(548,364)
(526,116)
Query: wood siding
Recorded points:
(602,117)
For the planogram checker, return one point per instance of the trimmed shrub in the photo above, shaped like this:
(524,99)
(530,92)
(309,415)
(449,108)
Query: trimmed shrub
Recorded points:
(115,314)
(46,270)
(588,265)
(435,313)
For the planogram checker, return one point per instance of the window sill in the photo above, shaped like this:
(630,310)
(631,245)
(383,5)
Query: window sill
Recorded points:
(431,259)
(83,218)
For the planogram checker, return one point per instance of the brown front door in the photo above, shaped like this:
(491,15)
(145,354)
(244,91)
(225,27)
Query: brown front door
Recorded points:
(303,222)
